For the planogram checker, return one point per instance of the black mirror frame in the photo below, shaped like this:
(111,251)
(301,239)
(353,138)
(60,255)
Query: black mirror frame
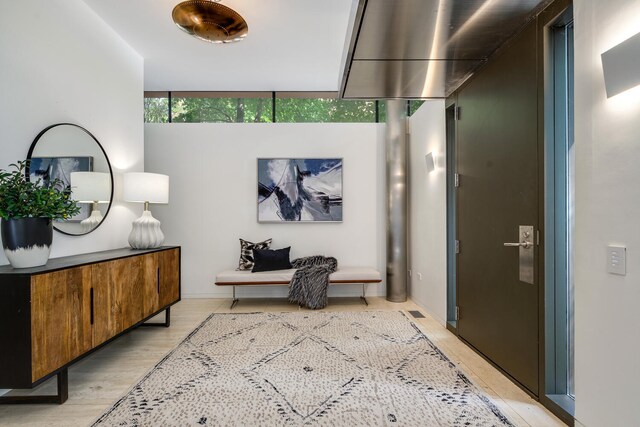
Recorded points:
(30,154)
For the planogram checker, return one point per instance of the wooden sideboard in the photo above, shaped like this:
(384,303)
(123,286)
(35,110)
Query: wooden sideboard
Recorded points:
(51,316)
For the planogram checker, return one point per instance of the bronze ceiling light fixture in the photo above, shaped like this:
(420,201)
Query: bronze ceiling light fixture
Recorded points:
(210,21)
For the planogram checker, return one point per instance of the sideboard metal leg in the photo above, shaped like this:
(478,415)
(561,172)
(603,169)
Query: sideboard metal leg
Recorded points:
(167,317)
(60,398)
(63,386)
(167,320)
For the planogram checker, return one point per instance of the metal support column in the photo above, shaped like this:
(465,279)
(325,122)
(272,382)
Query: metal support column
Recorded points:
(397,200)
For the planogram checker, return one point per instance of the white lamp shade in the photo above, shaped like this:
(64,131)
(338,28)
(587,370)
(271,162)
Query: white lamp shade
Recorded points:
(90,187)
(146,187)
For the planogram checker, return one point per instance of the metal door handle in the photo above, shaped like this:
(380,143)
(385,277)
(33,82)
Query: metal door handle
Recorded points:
(526,252)
(524,244)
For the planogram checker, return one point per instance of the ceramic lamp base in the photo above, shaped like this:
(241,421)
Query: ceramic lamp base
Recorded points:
(146,232)
(92,222)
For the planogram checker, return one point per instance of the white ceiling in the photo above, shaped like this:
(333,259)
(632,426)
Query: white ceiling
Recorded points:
(293,45)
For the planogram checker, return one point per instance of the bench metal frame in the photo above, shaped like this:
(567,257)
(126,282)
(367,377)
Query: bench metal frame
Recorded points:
(336,282)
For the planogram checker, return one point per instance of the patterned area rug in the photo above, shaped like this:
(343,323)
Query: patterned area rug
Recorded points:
(310,368)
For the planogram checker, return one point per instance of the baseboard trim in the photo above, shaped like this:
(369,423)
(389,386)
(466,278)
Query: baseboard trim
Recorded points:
(428,311)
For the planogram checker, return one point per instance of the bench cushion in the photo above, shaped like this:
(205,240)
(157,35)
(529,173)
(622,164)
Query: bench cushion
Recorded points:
(356,274)
(344,274)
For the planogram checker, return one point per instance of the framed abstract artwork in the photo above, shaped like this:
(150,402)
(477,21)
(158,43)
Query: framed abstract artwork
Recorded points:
(47,169)
(299,190)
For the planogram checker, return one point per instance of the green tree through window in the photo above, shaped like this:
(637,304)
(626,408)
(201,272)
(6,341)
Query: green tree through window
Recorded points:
(324,110)
(156,110)
(210,108)
(414,105)
(221,110)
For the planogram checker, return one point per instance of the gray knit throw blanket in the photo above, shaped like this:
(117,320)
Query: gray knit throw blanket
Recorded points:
(308,286)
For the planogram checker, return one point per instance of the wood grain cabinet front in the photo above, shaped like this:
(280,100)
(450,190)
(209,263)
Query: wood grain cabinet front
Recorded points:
(117,297)
(60,319)
(169,275)
(151,284)
(51,316)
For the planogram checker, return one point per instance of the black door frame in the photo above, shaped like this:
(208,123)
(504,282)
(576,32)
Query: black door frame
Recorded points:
(545,21)
(452,218)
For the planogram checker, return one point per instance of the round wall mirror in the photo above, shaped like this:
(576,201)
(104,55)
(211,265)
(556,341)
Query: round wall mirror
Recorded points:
(73,155)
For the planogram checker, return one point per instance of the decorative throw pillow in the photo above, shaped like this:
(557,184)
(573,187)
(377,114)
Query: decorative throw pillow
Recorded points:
(246,252)
(269,260)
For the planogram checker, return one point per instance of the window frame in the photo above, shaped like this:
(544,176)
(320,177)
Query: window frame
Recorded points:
(171,96)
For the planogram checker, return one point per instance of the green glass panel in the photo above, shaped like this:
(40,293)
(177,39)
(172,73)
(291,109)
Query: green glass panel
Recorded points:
(156,110)
(382,111)
(324,110)
(221,110)
(414,105)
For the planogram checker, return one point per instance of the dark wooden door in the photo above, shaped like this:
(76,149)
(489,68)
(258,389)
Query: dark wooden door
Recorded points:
(498,166)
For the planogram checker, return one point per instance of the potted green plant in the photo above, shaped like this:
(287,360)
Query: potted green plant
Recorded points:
(27,210)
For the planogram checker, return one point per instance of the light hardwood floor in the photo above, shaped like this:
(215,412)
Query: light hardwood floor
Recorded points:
(100,379)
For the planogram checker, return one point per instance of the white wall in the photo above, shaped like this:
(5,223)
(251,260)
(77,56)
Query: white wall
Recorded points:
(607,209)
(428,231)
(213,196)
(62,63)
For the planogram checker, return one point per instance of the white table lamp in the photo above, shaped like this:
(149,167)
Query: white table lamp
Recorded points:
(146,188)
(94,188)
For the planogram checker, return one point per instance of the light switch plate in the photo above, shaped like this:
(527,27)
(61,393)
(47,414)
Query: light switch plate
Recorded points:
(617,260)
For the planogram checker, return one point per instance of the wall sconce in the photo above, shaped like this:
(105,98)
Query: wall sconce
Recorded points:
(621,66)
(431,164)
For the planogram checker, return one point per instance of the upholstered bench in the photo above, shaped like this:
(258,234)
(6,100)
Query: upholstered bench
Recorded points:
(344,275)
